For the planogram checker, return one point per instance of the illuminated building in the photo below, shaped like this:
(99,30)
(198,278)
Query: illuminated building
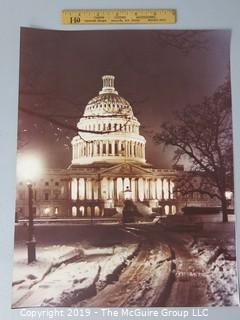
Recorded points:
(108,158)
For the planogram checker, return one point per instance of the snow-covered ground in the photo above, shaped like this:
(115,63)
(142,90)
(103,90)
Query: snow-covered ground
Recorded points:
(65,275)
(217,256)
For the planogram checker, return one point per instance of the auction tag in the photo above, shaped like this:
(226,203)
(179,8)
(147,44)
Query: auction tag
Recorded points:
(118,16)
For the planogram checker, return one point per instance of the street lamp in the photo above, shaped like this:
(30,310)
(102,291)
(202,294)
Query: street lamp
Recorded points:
(228,196)
(28,170)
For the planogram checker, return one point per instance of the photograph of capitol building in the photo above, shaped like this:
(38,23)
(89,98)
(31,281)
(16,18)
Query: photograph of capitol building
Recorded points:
(108,163)
(108,159)
(124,180)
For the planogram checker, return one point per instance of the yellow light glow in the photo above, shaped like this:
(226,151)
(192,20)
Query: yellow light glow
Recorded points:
(47,210)
(228,195)
(29,167)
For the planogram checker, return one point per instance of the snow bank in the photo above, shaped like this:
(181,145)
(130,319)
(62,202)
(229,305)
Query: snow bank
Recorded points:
(67,275)
(111,267)
(221,271)
(222,279)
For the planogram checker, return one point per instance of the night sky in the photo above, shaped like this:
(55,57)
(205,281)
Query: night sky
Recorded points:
(60,71)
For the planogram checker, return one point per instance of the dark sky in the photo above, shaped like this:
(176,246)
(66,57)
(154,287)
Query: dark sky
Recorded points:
(156,71)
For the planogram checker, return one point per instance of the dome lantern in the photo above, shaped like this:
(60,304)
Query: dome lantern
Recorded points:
(108,85)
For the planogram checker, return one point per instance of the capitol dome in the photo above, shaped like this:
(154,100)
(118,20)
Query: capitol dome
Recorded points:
(109,131)
(108,101)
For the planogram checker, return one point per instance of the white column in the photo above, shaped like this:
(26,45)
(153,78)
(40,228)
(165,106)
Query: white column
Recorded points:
(145,189)
(89,149)
(80,149)
(74,189)
(73,149)
(165,188)
(141,189)
(111,189)
(94,148)
(133,189)
(153,189)
(169,189)
(159,188)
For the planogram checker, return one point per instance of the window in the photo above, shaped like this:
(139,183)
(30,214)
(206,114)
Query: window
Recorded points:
(56,210)
(46,196)
(56,184)
(46,183)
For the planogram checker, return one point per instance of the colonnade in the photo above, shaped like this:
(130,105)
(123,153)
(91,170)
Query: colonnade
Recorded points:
(112,188)
(110,126)
(108,148)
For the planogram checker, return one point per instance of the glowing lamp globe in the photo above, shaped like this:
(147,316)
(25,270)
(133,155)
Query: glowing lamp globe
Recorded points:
(29,167)
(228,195)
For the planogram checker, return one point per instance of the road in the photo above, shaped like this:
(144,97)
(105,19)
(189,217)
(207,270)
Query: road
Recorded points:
(162,273)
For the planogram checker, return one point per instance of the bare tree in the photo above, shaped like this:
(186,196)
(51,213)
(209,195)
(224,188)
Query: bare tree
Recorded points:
(202,134)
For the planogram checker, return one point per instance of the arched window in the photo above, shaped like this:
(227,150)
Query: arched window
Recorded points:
(82,211)
(89,211)
(96,211)
(74,211)
(174,209)
(166,209)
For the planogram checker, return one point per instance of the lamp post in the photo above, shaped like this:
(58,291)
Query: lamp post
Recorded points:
(31,243)
(28,170)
